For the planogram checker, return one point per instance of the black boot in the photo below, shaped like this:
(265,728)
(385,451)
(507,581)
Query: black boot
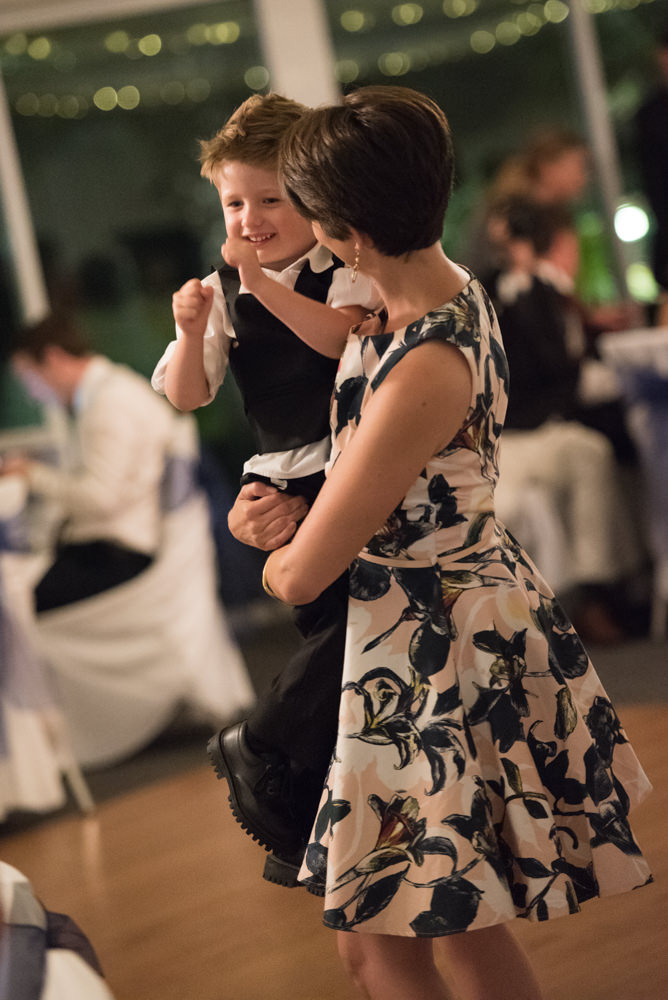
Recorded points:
(260,786)
(281,868)
(284,870)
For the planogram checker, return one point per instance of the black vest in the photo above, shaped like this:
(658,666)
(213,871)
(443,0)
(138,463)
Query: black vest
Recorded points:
(285,385)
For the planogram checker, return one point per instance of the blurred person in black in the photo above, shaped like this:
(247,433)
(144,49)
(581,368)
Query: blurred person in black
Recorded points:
(565,423)
(550,337)
(652,135)
(552,168)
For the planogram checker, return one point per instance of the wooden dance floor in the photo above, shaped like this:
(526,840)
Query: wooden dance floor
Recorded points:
(168,888)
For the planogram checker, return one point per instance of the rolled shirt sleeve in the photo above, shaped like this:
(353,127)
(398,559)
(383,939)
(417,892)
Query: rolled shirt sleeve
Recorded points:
(344,292)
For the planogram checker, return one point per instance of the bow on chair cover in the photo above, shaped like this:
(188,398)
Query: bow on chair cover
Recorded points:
(42,953)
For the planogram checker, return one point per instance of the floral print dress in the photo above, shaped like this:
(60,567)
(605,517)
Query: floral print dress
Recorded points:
(480,771)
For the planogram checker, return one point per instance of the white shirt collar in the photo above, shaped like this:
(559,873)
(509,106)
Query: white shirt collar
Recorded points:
(318,257)
(96,372)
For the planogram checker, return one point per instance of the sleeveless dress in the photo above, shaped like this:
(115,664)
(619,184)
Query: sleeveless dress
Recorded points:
(480,771)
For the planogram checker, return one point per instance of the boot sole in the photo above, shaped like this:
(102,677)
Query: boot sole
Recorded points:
(281,872)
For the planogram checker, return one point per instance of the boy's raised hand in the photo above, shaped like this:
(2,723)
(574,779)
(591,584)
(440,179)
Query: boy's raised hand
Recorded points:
(240,253)
(191,306)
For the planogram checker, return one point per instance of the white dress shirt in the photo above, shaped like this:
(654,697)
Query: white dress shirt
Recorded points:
(121,432)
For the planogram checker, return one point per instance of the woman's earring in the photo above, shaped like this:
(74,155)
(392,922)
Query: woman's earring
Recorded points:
(356,264)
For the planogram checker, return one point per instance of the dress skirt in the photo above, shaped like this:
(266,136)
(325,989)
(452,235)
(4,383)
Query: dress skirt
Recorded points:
(481,772)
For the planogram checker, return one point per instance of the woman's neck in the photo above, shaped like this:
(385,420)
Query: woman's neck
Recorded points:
(413,285)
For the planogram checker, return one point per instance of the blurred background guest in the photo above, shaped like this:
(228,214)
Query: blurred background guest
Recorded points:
(566,421)
(652,135)
(535,291)
(551,169)
(110,497)
(127,611)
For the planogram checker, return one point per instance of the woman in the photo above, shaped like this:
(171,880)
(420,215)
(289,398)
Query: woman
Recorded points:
(480,772)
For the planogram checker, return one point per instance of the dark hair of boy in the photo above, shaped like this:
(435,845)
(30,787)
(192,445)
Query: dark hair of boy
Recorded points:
(252,134)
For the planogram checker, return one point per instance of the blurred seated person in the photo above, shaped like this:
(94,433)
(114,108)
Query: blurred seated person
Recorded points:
(565,422)
(651,124)
(552,169)
(128,614)
(549,338)
(110,497)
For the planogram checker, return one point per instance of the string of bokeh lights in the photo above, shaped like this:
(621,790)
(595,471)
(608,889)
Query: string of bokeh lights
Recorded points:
(508,31)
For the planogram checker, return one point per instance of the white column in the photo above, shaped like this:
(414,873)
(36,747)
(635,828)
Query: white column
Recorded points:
(591,84)
(32,294)
(297,47)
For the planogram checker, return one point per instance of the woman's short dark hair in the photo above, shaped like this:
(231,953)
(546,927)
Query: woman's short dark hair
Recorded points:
(381,162)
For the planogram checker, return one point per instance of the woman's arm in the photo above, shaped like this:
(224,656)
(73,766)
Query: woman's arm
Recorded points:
(414,414)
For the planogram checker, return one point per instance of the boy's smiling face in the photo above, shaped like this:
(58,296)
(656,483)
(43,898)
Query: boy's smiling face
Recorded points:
(256,210)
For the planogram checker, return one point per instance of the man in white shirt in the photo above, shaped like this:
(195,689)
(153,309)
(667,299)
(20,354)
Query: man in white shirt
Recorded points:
(110,497)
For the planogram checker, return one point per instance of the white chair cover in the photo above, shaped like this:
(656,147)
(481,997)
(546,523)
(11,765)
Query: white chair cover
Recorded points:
(35,751)
(125,661)
(528,510)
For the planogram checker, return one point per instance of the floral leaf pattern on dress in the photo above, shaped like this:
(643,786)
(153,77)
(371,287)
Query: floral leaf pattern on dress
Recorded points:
(392,711)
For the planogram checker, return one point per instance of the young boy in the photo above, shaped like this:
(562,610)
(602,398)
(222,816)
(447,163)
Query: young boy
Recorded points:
(286,284)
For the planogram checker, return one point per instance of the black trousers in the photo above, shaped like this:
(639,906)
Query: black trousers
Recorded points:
(85,569)
(299,712)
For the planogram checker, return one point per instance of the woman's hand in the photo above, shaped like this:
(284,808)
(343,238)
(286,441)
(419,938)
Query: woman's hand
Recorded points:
(264,517)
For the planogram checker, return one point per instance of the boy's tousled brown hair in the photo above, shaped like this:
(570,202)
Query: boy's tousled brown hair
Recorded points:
(252,134)
(381,162)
